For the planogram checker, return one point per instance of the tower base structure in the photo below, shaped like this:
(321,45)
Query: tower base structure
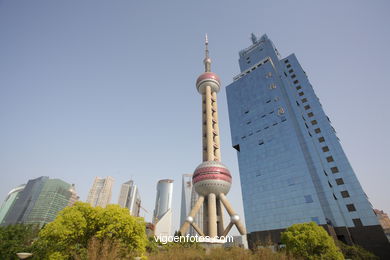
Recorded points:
(213,224)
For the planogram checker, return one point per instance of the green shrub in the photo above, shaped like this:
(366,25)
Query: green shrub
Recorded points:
(310,241)
(82,231)
(356,252)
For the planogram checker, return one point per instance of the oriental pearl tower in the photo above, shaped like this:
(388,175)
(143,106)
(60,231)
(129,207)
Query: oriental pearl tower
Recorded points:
(211,179)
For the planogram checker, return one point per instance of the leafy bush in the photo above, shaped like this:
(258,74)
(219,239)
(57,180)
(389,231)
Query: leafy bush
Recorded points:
(356,252)
(82,230)
(310,241)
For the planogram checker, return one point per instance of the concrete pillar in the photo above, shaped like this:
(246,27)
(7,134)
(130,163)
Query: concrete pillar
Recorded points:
(212,210)
(220,227)
(192,214)
(226,231)
(232,213)
(197,229)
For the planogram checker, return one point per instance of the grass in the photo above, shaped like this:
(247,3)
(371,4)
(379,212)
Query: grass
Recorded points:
(234,253)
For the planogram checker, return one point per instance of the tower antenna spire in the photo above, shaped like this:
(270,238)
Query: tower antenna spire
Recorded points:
(207,60)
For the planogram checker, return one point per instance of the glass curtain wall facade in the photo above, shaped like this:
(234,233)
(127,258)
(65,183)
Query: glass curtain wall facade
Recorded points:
(129,198)
(54,196)
(40,201)
(9,201)
(25,202)
(163,198)
(292,166)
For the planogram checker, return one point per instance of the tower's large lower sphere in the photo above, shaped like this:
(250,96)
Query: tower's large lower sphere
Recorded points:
(212,177)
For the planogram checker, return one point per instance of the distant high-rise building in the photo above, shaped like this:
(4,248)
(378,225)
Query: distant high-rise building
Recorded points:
(185,197)
(188,199)
(292,166)
(384,220)
(10,200)
(54,196)
(39,202)
(162,215)
(129,198)
(101,191)
(73,197)
(25,201)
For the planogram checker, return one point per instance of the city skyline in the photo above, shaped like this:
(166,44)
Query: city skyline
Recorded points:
(70,101)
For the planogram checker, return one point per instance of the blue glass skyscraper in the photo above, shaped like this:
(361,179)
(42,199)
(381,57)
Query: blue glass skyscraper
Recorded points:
(292,166)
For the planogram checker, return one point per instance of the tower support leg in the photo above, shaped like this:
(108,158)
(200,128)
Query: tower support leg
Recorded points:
(233,216)
(191,216)
(220,227)
(212,211)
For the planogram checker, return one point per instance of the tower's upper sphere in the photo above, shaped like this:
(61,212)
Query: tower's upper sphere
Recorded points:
(212,177)
(208,79)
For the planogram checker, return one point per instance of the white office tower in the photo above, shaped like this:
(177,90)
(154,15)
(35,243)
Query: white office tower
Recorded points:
(129,198)
(101,191)
(188,199)
(162,215)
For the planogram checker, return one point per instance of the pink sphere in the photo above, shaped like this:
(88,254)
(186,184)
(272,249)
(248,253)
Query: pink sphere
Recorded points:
(212,177)
(208,79)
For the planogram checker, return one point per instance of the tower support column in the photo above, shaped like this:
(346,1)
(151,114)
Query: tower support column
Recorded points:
(212,211)
(192,215)
(233,216)
(220,227)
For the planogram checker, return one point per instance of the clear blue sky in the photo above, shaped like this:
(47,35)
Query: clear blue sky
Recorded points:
(97,88)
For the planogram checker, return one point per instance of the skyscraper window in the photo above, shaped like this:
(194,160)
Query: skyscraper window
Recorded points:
(308,199)
(351,207)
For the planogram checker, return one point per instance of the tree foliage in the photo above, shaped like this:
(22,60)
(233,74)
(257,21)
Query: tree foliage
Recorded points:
(70,235)
(16,238)
(356,252)
(310,241)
